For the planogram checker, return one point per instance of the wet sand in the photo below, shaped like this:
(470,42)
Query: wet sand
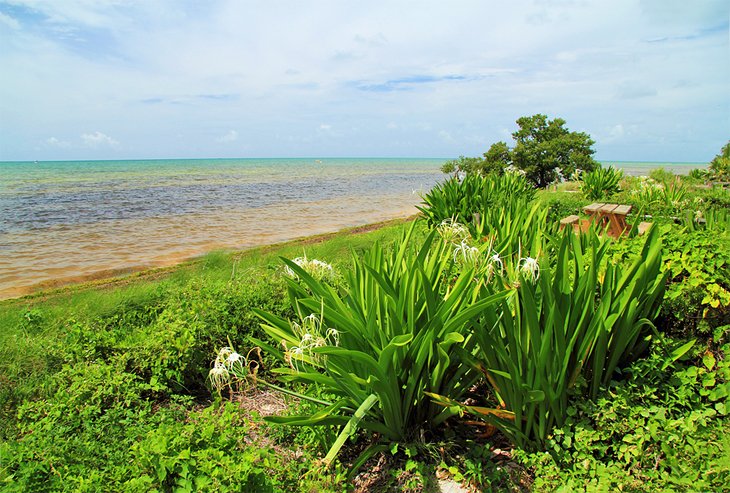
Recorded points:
(55,256)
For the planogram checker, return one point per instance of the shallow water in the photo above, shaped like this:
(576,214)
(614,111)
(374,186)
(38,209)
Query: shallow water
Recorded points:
(64,221)
(68,221)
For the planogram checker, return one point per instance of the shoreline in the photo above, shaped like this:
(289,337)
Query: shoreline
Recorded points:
(118,277)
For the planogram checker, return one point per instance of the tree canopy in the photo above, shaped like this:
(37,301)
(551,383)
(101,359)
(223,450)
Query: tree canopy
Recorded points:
(544,150)
(720,165)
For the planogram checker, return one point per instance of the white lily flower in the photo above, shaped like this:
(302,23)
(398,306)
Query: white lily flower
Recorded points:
(496,262)
(219,376)
(452,231)
(468,254)
(530,268)
(318,269)
(233,359)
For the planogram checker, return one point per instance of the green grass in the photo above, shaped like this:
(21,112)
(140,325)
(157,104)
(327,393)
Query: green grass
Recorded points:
(87,371)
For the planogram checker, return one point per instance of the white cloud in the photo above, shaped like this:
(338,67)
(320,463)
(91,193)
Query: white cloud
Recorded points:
(230,136)
(617,131)
(149,71)
(54,142)
(446,136)
(98,139)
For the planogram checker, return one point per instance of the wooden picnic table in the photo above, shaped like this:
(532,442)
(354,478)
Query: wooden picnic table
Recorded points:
(612,214)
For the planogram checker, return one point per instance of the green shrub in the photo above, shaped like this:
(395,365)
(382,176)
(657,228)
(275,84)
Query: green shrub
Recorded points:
(716,198)
(660,429)
(477,199)
(561,204)
(601,183)
(579,317)
(211,451)
(661,175)
(661,198)
(698,292)
(169,343)
(101,431)
(78,438)
(378,345)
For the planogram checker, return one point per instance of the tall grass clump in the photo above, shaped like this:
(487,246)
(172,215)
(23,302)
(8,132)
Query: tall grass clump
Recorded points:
(477,199)
(667,197)
(601,183)
(376,345)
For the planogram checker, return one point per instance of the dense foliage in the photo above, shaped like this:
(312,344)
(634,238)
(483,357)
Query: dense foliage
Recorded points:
(477,201)
(544,150)
(383,340)
(601,183)
(557,347)
(720,164)
(577,317)
(105,389)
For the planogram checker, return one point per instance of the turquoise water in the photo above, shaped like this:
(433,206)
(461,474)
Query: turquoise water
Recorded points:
(639,168)
(63,221)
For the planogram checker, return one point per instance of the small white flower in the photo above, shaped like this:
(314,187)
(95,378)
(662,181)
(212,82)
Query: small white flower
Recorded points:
(234,357)
(496,262)
(219,376)
(466,254)
(530,268)
(319,270)
(295,355)
(452,231)
(335,335)
(234,360)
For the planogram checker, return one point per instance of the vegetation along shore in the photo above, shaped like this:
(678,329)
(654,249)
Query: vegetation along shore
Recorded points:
(482,345)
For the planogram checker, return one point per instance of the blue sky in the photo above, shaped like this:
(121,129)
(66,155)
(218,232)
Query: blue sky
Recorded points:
(111,79)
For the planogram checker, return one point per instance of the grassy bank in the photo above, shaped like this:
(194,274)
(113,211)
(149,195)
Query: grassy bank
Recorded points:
(105,386)
(88,370)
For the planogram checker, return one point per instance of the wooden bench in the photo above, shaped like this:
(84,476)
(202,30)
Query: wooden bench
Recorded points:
(613,215)
(569,221)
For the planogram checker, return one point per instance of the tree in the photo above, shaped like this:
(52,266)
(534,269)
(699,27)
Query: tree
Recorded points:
(720,165)
(494,161)
(497,157)
(466,165)
(544,148)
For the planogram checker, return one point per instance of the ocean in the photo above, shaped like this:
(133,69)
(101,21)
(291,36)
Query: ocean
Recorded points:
(74,220)
(66,221)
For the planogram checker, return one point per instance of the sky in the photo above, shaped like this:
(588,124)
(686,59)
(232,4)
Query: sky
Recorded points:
(649,80)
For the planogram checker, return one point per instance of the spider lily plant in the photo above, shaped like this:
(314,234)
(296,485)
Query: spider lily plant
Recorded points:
(601,183)
(399,318)
(579,316)
(477,199)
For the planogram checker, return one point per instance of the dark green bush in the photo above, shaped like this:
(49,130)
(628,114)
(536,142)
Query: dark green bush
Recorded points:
(211,451)
(74,439)
(661,429)
(698,292)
